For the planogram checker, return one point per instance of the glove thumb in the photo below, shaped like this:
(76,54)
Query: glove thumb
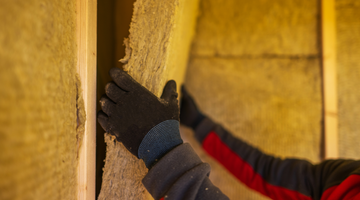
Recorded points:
(169,93)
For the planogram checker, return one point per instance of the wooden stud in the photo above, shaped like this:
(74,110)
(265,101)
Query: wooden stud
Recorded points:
(330,78)
(86,67)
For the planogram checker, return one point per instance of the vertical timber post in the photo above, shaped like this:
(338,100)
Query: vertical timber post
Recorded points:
(328,29)
(86,12)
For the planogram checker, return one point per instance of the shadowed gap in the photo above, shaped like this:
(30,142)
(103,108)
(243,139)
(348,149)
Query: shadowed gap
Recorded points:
(114,17)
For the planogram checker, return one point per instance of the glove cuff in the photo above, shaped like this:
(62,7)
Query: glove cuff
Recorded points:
(158,141)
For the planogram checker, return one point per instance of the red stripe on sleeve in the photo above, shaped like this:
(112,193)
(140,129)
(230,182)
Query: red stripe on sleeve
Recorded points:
(348,189)
(162,198)
(244,172)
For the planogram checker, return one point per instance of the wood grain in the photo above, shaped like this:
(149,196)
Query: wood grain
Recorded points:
(86,68)
(328,26)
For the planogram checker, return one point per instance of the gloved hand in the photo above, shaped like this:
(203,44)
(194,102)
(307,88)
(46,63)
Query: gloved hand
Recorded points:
(130,111)
(189,113)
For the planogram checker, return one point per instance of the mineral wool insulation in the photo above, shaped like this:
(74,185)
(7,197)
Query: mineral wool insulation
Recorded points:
(265,58)
(348,65)
(41,109)
(255,68)
(157,51)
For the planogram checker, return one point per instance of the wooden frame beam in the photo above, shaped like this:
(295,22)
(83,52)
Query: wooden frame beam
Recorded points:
(328,26)
(86,14)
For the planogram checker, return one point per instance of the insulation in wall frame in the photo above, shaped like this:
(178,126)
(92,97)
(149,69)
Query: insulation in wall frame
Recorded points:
(255,68)
(41,114)
(348,76)
(157,49)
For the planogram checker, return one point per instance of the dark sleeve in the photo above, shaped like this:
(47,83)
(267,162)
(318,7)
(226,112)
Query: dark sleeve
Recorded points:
(180,174)
(271,176)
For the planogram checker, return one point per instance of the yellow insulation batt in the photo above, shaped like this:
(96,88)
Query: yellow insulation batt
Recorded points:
(156,51)
(41,107)
(255,68)
(348,65)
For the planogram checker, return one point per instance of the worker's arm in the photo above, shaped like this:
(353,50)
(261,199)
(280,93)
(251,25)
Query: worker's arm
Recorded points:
(180,174)
(271,176)
(149,128)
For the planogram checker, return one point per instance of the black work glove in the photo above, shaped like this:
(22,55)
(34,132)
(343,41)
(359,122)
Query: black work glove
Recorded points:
(189,113)
(130,111)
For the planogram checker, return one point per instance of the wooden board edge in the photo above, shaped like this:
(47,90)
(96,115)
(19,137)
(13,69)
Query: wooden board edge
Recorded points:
(86,14)
(328,35)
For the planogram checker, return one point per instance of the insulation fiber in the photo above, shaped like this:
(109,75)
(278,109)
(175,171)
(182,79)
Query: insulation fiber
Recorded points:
(153,58)
(156,51)
(255,68)
(257,27)
(348,64)
(273,104)
(41,107)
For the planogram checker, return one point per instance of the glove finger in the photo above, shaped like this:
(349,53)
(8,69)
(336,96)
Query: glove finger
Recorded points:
(169,93)
(186,99)
(103,120)
(189,113)
(114,92)
(122,79)
(184,91)
(107,105)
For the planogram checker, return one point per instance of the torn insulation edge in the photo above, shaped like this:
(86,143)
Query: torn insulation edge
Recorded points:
(127,51)
(80,112)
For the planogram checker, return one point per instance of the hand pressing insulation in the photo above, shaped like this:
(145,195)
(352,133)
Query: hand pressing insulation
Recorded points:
(146,125)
